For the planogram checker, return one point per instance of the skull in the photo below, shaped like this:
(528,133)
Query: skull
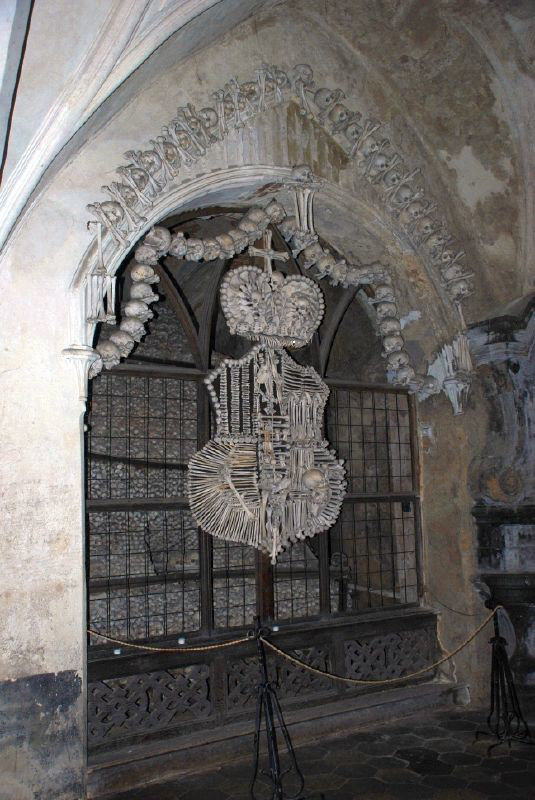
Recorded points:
(389,326)
(416,210)
(338,115)
(429,385)
(325,98)
(239,239)
(109,354)
(404,376)
(288,227)
(304,74)
(314,478)
(258,216)
(226,243)
(325,263)
(251,229)
(275,212)
(397,359)
(159,238)
(112,211)
(392,343)
(209,117)
(146,254)
(446,256)
(123,342)
(194,249)
(436,239)
(368,147)
(95,368)
(139,176)
(379,164)
(404,194)
(311,254)
(142,272)
(183,139)
(385,309)
(142,291)
(425,227)
(460,289)
(138,309)
(178,246)
(212,249)
(352,132)
(251,91)
(302,239)
(302,173)
(128,194)
(339,272)
(151,161)
(452,273)
(384,292)
(133,327)
(169,150)
(392,178)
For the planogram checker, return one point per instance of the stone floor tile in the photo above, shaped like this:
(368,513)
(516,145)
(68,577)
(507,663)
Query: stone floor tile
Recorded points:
(460,759)
(444,782)
(431,767)
(355,770)
(487,788)
(458,725)
(386,762)
(447,745)
(428,731)
(519,780)
(398,776)
(378,748)
(415,753)
(405,791)
(504,763)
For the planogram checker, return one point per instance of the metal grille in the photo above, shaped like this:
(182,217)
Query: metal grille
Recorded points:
(143,431)
(144,573)
(371,432)
(234,584)
(373,545)
(296,583)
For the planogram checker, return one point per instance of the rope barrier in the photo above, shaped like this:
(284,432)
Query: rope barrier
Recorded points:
(361,682)
(298,661)
(200,649)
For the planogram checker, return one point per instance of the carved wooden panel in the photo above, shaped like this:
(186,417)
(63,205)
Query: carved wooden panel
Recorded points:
(147,702)
(390,655)
(291,680)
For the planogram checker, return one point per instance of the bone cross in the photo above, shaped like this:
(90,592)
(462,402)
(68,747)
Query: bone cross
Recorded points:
(267,253)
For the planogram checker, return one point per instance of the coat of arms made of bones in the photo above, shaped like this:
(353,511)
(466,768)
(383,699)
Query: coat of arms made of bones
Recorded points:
(267,478)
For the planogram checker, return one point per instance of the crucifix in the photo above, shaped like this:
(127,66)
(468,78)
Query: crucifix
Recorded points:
(267,253)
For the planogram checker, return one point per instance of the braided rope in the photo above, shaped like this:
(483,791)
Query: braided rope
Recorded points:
(361,682)
(200,649)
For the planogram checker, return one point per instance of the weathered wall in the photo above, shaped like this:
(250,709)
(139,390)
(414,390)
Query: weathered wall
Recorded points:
(450,114)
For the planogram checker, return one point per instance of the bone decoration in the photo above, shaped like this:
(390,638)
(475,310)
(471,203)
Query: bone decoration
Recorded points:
(267,479)
(451,369)
(172,154)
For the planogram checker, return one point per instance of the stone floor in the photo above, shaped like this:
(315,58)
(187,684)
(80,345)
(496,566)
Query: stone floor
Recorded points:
(430,756)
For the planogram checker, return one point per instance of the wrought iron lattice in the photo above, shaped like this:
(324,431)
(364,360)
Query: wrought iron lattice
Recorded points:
(296,583)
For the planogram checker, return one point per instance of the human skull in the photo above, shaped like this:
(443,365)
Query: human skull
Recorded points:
(128,194)
(302,172)
(151,161)
(209,117)
(314,478)
(325,263)
(352,132)
(392,178)
(302,239)
(287,228)
(389,326)
(139,176)
(144,273)
(159,238)
(133,327)
(311,254)
(392,344)
(404,194)
(112,211)
(338,115)
(178,246)
(460,289)
(184,140)
(379,164)
(385,309)
(304,74)
(251,229)
(275,211)
(194,249)
(416,210)
(239,239)
(428,385)
(123,341)
(145,254)
(142,291)
(384,292)
(436,239)
(109,354)
(446,256)
(95,368)
(212,249)
(226,243)
(425,227)
(369,146)
(339,272)
(138,309)
(404,376)
(258,216)
(397,359)
(325,98)
(251,91)
(453,272)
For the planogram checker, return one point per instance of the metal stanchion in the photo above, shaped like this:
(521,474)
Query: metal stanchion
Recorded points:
(269,712)
(505,721)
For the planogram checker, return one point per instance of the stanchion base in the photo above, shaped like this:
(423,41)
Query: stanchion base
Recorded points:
(507,739)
